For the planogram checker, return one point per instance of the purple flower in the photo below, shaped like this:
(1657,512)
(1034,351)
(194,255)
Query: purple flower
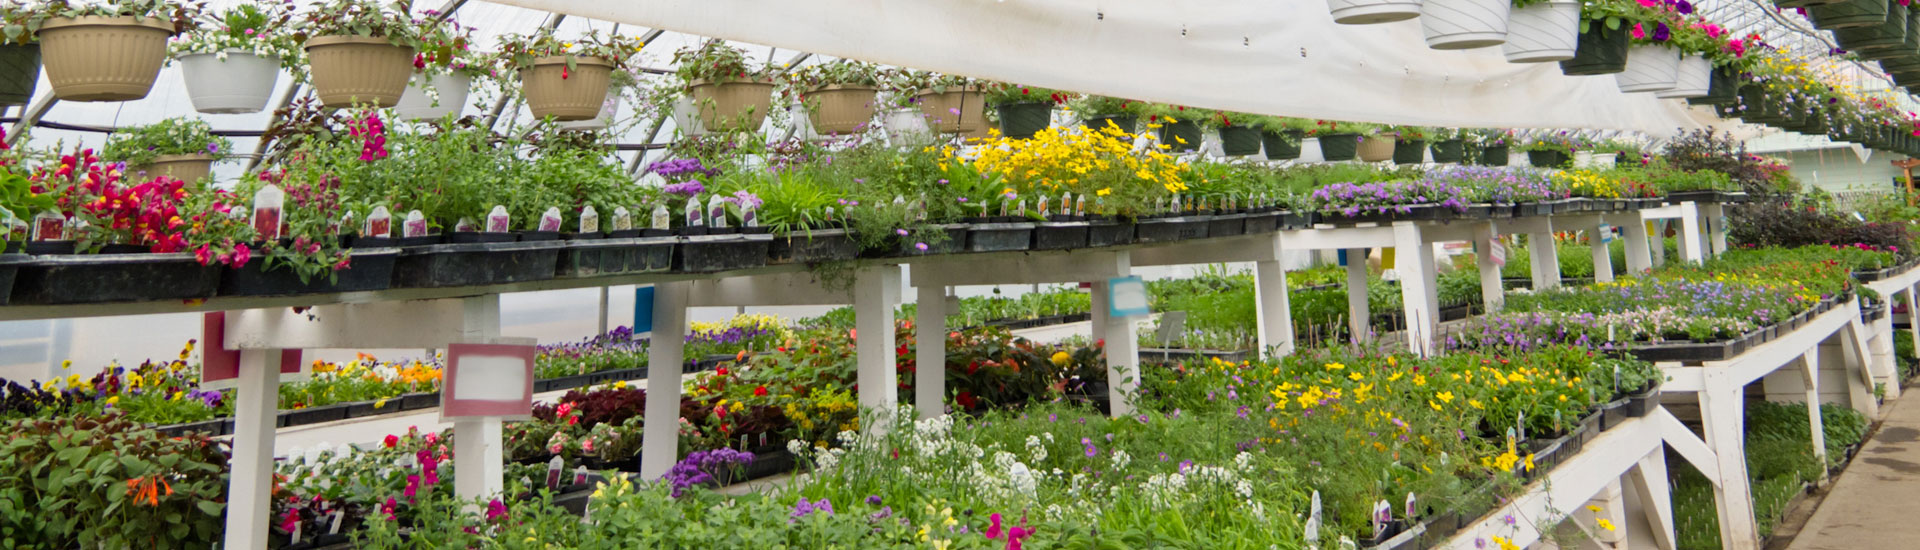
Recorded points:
(686,189)
(1661,33)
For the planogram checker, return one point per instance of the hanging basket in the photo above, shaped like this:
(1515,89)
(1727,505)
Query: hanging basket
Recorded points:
(241,83)
(1849,14)
(906,125)
(1601,51)
(1369,12)
(1376,149)
(1024,119)
(609,110)
(1890,33)
(1549,159)
(1280,147)
(417,104)
(1723,88)
(840,109)
(1339,147)
(187,168)
(1238,141)
(1465,24)
(1451,150)
(566,93)
(1413,151)
(1180,136)
(1693,79)
(1495,155)
(103,58)
(1649,69)
(356,69)
(734,105)
(1543,32)
(1126,123)
(19,72)
(957,111)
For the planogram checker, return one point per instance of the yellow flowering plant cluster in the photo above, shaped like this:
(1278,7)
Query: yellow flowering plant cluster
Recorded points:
(1102,164)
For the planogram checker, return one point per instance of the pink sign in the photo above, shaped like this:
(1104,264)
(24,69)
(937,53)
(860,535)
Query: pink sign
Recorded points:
(488,380)
(220,365)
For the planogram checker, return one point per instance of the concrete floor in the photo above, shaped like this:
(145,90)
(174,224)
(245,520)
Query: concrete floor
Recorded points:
(1874,503)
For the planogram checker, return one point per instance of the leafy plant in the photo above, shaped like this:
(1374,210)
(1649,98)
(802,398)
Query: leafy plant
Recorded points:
(365,18)
(263,31)
(520,51)
(119,484)
(718,62)
(139,145)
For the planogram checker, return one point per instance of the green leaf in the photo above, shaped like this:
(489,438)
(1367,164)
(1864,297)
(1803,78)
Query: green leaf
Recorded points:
(211,508)
(1613,23)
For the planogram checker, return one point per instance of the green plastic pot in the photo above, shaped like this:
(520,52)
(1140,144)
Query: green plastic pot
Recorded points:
(1339,147)
(1451,150)
(19,72)
(1549,159)
(1412,151)
(1600,51)
(1238,141)
(1722,89)
(1279,146)
(1023,120)
(1126,123)
(1180,136)
(1495,155)
(1905,78)
(1847,14)
(1890,33)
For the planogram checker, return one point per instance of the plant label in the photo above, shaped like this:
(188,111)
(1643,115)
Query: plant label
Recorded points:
(1606,234)
(589,220)
(828,216)
(1127,297)
(622,219)
(1080,206)
(498,220)
(49,226)
(488,380)
(1312,530)
(415,226)
(1176,204)
(1042,207)
(1020,209)
(463,226)
(1172,324)
(1410,508)
(717,210)
(662,220)
(694,219)
(267,207)
(580,475)
(1382,515)
(346,224)
(334,521)
(1497,252)
(379,223)
(750,214)
(550,220)
(553,472)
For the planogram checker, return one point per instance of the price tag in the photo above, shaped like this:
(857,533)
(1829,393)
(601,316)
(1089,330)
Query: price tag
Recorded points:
(1498,253)
(1606,234)
(1127,297)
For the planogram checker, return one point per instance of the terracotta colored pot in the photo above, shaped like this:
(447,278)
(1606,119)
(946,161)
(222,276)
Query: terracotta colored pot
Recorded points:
(566,94)
(961,111)
(358,69)
(103,58)
(840,109)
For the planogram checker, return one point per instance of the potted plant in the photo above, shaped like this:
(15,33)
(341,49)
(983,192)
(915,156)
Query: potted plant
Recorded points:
(180,148)
(1465,24)
(1409,144)
(840,97)
(566,80)
(19,53)
(951,104)
(1448,145)
(1549,151)
(1887,36)
(620,82)
(1340,140)
(1239,132)
(730,91)
(231,62)
(1493,147)
(111,51)
(1702,49)
(1369,12)
(1281,136)
(1652,66)
(1023,110)
(445,67)
(1609,152)
(1604,29)
(1844,14)
(1177,127)
(1376,147)
(1098,112)
(1542,31)
(361,51)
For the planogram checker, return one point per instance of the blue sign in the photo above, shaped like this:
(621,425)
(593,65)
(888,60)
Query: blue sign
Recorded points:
(1127,297)
(643,309)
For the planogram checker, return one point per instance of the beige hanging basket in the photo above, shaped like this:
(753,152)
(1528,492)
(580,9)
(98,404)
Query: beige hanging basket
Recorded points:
(358,69)
(566,94)
(97,58)
(841,109)
(961,111)
(733,105)
(187,168)
(1376,148)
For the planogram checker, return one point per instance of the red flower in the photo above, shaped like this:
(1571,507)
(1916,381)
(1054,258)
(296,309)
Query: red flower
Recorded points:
(392,440)
(760,391)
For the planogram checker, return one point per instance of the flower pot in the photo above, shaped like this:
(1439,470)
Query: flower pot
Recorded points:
(1548,159)
(686,118)
(906,125)
(1600,51)
(1339,147)
(1279,147)
(1024,119)
(1694,78)
(1410,152)
(1583,159)
(19,72)
(730,106)
(813,246)
(1723,88)
(1604,161)
(722,253)
(357,69)
(367,270)
(1495,155)
(1239,140)
(1451,150)
(1649,69)
(567,93)
(187,168)
(999,237)
(470,264)
(1368,12)
(103,58)
(1543,32)
(956,111)
(1891,33)
(840,109)
(101,278)
(1848,14)
(1126,123)
(419,103)
(1465,24)
(240,83)
(609,111)
(1375,149)
(1181,136)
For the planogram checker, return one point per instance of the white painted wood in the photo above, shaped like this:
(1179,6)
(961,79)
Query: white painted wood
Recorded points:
(1691,249)
(1418,294)
(1612,502)
(1552,500)
(249,489)
(1248,248)
(1716,222)
(930,351)
(1853,343)
(1639,257)
(1721,418)
(665,354)
(1546,259)
(1327,238)
(1357,312)
(391,325)
(875,294)
(1690,447)
(1602,256)
(772,289)
(1810,375)
(1272,310)
(478,459)
(1886,370)
(1123,350)
(1493,291)
(1648,481)
(1658,243)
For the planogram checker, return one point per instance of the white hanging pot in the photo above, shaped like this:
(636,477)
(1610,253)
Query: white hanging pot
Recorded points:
(418,102)
(1542,33)
(1583,159)
(1649,69)
(687,118)
(906,125)
(609,110)
(1694,78)
(1605,161)
(1465,24)
(240,83)
(1368,12)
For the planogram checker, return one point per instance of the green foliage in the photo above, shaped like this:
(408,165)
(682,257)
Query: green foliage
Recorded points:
(114,484)
(138,146)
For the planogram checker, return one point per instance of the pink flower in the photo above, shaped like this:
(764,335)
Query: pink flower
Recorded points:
(993,531)
(1639,33)
(392,440)
(496,510)
(1649,3)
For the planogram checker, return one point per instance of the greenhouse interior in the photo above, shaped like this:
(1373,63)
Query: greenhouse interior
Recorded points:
(959,274)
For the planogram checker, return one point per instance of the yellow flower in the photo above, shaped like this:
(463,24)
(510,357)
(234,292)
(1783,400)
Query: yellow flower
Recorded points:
(1335,366)
(1445,396)
(620,384)
(115,400)
(1104,191)
(66,364)
(1604,524)
(1475,403)
(1060,359)
(1355,376)
(382,403)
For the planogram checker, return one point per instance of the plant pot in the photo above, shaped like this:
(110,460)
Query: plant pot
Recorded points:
(1280,147)
(106,278)
(956,111)
(1848,14)
(1024,119)
(19,73)
(609,111)
(1495,155)
(722,253)
(1543,32)
(733,105)
(1181,136)
(97,58)
(1410,152)
(1451,150)
(1339,147)
(840,109)
(1723,88)
(1693,78)
(445,265)
(355,69)
(592,255)
(1548,159)
(1060,236)
(1375,149)
(999,237)
(240,83)
(1465,24)
(1226,225)
(1109,233)
(1368,12)
(812,246)
(188,168)
(425,400)
(1126,123)
(1159,230)
(567,93)
(417,104)
(312,415)
(1600,51)
(1613,413)
(1649,69)
(1889,34)
(367,270)
(1238,141)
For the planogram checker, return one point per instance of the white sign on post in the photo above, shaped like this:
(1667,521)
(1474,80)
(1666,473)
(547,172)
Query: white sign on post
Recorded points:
(1497,251)
(1127,297)
(1606,233)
